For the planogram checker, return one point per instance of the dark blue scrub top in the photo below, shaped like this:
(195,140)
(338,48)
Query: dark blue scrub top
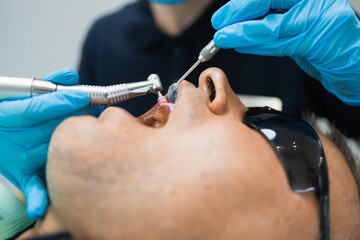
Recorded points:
(126,46)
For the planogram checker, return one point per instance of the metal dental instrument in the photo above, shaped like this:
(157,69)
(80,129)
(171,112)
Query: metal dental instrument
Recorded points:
(13,87)
(206,54)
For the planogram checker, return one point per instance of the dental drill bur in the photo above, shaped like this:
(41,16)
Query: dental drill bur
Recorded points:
(205,55)
(13,87)
(161,99)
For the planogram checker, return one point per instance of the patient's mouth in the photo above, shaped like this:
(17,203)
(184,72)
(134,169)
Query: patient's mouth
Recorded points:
(157,116)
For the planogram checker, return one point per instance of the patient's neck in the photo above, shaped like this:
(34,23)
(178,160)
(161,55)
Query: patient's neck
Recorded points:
(175,19)
(48,225)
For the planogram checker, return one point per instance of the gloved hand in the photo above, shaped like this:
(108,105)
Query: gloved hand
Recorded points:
(322,36)
(26,126)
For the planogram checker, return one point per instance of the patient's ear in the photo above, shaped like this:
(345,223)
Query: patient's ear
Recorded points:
(216,85)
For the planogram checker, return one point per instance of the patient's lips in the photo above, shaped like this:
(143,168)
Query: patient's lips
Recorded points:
(161,116)
(157,116)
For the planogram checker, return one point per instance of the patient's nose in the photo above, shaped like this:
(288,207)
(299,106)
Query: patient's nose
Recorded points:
(222,99)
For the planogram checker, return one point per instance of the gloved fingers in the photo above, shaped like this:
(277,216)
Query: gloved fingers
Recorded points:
(42,133)
(9,162)
(29,137)
(242,10)
(66,76)
(17,163)
(36,197)
(275,35)
(36,158)
(283,4)
(24,139)
(41,108)
(250,33)
(307,67)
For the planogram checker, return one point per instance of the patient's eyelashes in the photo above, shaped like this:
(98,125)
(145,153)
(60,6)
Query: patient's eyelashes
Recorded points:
(211,89)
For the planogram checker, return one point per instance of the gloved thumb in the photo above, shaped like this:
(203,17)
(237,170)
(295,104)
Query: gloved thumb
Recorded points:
(36,198)
(66,76)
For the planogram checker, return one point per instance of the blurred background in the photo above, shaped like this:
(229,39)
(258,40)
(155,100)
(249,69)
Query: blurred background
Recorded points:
(40,36)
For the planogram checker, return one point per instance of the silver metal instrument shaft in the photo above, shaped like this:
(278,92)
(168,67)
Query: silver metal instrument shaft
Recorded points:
(205,55)
(14,88)
(189,71)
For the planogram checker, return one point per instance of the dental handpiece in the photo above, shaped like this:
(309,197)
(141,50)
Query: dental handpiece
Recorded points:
(13,88)
(205,55)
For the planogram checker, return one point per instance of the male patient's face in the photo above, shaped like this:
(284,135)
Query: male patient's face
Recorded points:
(204,175)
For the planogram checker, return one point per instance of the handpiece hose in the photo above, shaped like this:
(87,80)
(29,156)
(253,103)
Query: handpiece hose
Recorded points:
(13,88)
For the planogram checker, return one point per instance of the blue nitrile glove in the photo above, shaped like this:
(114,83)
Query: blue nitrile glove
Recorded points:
(169,2)
(26,126)
(322,36)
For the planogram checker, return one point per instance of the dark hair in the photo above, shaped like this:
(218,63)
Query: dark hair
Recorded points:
(340,141)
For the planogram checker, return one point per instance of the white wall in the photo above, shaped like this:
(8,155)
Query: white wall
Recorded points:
(39,36)
(356,5)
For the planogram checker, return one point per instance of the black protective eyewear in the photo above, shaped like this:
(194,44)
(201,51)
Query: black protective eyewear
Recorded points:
(300,151)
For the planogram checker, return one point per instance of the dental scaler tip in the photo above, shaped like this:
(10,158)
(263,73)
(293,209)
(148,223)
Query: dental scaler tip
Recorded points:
(205,55)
